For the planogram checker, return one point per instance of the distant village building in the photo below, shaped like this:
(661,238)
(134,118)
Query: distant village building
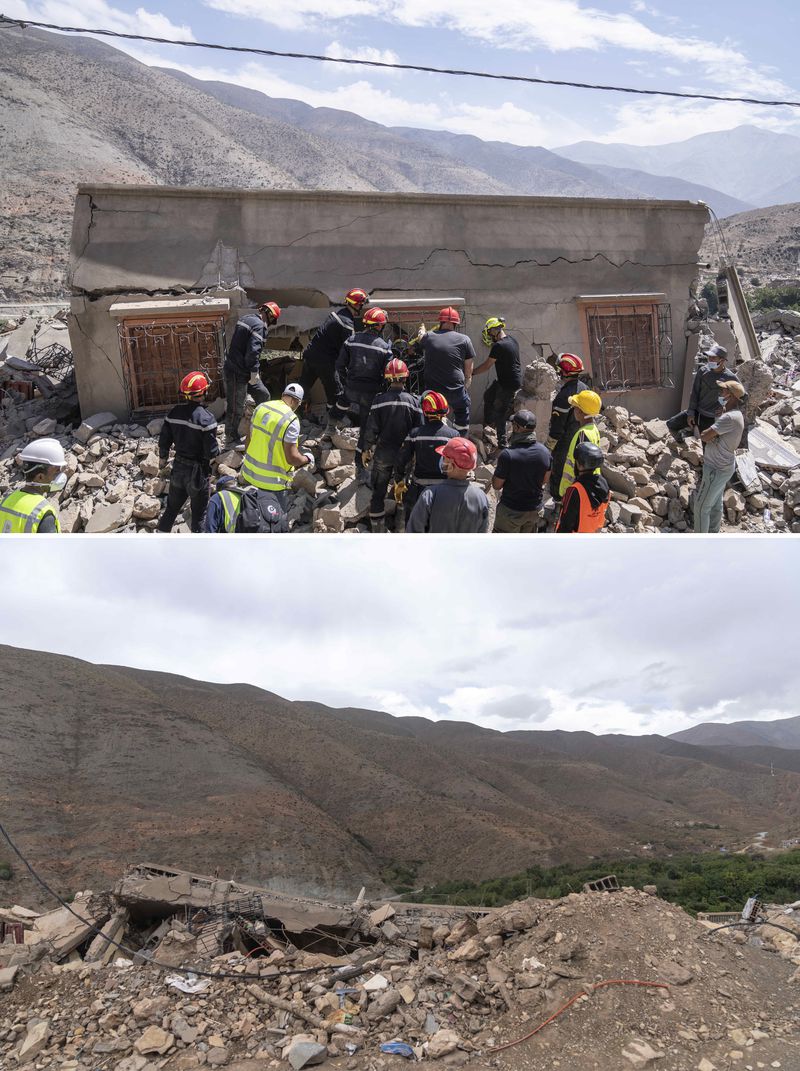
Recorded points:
(159,276)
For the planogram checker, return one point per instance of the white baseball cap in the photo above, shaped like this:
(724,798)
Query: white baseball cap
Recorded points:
(294,390)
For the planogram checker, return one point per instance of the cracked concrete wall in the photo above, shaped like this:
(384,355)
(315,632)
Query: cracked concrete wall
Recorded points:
(526,258)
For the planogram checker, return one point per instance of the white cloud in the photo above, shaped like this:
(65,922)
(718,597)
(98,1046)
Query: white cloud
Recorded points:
(657,121)
(374,55)
(100,15)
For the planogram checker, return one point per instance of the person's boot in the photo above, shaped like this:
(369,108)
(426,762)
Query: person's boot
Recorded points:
(377,524)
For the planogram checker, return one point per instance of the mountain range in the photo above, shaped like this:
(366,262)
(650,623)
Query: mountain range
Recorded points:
(105,766)
(78,110)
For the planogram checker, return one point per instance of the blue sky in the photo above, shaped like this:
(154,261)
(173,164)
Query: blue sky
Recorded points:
(730,48)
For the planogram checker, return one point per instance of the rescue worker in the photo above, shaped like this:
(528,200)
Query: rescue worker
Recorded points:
(360,367)
(272,453)
(417,464)
(226,513)
(570,369)
(585,407)
(27,510)
(392,416)
(192,430)
(498,401)
(322,352)
(586,499)
(522,471)
(242,366)
(456,504)
(448,359)
(703,406)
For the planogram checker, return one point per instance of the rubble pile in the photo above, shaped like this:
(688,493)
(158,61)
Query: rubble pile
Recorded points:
(114,486)
(423,982)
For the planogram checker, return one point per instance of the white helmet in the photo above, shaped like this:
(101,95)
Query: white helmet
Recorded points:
(44,452)
(294,390)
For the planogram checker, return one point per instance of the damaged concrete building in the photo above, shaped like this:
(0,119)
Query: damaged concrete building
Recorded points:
(159,276)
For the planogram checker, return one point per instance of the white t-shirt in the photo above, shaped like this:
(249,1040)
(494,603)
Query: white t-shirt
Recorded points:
(721,452)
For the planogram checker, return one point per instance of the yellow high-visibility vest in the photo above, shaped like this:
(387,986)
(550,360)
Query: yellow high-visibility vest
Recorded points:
(265,463)
(585,433)
(231,507)
(21,512)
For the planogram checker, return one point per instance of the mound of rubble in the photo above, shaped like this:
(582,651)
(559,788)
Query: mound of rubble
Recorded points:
(418,982)
(114,486)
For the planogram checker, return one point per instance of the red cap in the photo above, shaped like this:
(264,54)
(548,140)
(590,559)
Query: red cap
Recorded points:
(462,452)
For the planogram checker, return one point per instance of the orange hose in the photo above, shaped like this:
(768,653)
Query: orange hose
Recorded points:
(571,1001)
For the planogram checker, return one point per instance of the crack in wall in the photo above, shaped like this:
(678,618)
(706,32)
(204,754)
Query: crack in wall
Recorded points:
(117,366)
(324,230)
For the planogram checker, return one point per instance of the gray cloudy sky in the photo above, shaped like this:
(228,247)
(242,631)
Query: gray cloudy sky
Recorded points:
(607,635)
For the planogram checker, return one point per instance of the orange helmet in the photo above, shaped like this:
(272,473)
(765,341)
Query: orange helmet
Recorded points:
(271,308)
(569,364)
(434,404)
(195,385)
(396,369)
(374,318)
(449,316)
(356,297)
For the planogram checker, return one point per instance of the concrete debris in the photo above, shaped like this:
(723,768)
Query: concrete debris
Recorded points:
(114,486)
(292,999)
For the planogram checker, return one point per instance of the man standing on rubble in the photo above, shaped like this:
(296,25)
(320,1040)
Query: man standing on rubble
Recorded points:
(27,510)
(417,463)
(322,352)
(570,370)
(392,416)
(192,430)
(457,504)
(448,359)
(719,460)
(498,401)
(361,365)
(703,406)
(271,453)
(242,366)
(522,471)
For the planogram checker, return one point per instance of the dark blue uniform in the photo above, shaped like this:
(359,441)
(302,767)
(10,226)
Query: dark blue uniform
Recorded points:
(392,416)
(322,352)
(360,367)
(241,361)
(419,449)
(192,430)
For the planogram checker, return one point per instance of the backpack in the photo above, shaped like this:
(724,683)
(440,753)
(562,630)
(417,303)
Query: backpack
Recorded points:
(260,511)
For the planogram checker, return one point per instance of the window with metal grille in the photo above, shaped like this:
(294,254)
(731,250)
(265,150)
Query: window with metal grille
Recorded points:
(157,354)
(630,344)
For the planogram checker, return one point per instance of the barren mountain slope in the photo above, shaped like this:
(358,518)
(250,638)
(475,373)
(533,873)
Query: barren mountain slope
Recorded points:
(764,242)
(106,765)
(783,733)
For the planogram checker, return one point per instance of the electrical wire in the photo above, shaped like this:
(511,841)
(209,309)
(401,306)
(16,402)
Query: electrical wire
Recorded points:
(760,922)
(197,972)
(274,53)
(571,1001)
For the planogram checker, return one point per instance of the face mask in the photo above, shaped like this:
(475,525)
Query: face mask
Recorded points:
(714,367)
(442,466)
(59,482)
(722,401)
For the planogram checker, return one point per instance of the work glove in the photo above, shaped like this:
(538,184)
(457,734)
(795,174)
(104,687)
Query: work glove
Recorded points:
(366,458)
(312,463)
(163,470)
(551,443)
(400,488)
(254,378)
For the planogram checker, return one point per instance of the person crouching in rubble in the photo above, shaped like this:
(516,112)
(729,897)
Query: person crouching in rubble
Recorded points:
(719,460)
(586,499)
(244,509)
(192,430)
(27,510)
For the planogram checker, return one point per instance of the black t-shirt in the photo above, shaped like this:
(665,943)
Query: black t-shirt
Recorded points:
(523,468)
(505,354)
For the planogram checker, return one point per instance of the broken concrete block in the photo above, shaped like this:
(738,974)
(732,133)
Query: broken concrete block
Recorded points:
(331,517)
(466,988)
(146,507)
(390,931)
(442,1043)
(150,465)
(616,416)
(629,515)
(381,914)
(304,1050)
(384,1005)
(93,424)
(303,480)
(335,477)
(7,978)
(619,480)
(376,983)
(44,427)
(111,517)
(155,426)
(472,949)
(154,1039)
(35,1040)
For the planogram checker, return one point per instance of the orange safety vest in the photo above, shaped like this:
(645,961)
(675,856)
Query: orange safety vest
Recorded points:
(590,518)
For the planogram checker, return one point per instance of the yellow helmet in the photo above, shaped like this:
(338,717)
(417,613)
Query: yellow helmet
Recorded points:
(587,401)
(491,323)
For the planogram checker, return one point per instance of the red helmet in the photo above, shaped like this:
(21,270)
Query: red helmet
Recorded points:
(271,308)
(374,318)
(434,403)
(462,452)
(396,369)
(356,297)
(195,385)
(449,316)
(570,364)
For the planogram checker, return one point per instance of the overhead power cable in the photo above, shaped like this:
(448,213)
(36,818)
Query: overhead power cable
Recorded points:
(274,53)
